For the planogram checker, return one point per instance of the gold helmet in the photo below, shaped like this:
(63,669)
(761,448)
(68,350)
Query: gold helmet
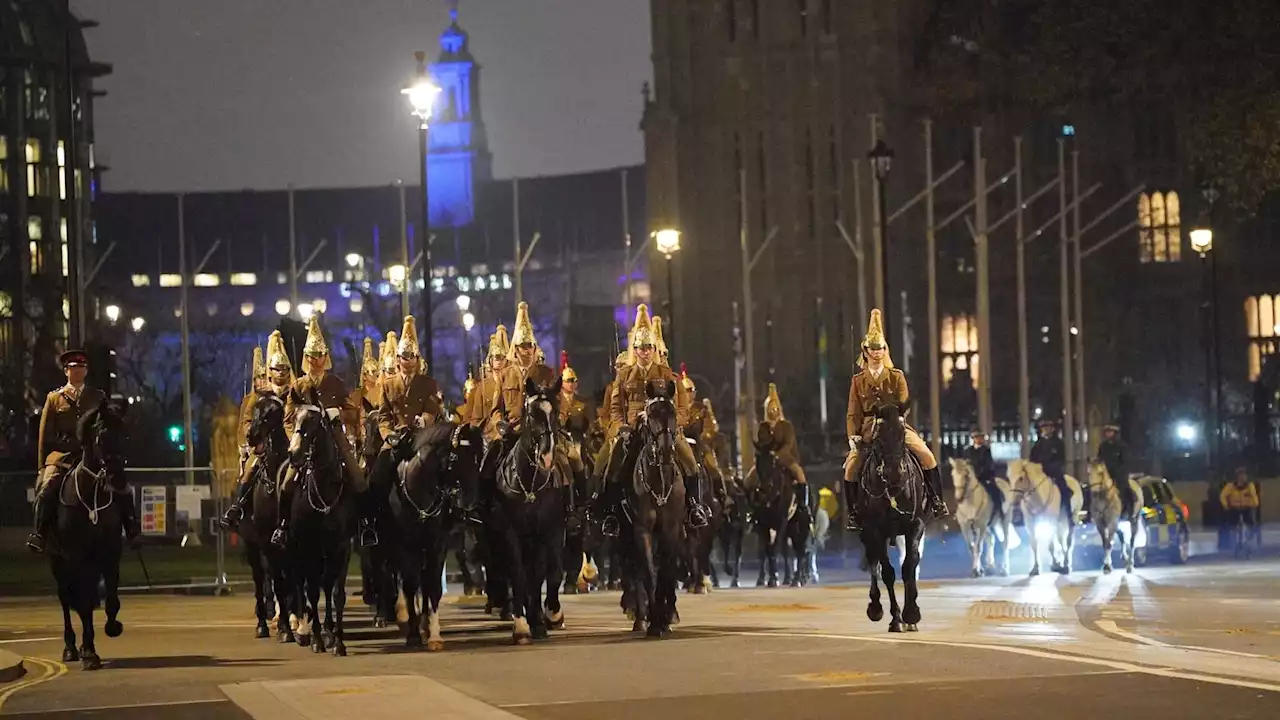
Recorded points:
(687,381)
(642,330)
(408,346)
(315,345)
(499,346)
(875,339)
(389,353)
(369,364)
(659,343)
(711,425)
(469,386)
(523,333)
(277,358)
(259,364)
(773,401)
(567,373)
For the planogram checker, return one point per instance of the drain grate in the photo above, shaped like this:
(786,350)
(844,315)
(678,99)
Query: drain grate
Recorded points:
(1005,610)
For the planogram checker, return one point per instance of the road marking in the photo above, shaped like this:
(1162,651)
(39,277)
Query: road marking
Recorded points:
(1110,627)
(26,640)
(51,670)
(95,708)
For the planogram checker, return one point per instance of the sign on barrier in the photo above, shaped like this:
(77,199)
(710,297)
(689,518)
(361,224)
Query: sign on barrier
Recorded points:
(186,501)
(154,510)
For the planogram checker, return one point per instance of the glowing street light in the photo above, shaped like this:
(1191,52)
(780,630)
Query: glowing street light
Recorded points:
(464,303)
(283,307)
(422,97)
(137,324)
(1202,240)
(468,321)
(396,274)
(668,241)
(305,310)
(353,260)
(113,314)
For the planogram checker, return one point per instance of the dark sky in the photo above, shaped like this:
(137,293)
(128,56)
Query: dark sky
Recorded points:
(227,94)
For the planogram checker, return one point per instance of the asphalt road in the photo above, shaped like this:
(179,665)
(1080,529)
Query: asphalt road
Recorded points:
(1196,641)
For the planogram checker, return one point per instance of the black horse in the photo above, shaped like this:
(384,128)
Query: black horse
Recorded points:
(530,509)
(86,544)
(655,502)
(379,573)
(773,500)
(321,515)
(270,446)
(445,456)
(892,501)
(735,517)
(701,540)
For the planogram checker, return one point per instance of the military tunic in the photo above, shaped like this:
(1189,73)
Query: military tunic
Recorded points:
(869,393)
(59,422)
(330,391)
(1113,454)
(782,437)
(483,401)
(629,394)
(573,417)
(403,402)
(511,386)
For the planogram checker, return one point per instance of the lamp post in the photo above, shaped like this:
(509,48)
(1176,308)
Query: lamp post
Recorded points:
(668,242)
(422,97)
(468,321)
(1202,243)
(881,157)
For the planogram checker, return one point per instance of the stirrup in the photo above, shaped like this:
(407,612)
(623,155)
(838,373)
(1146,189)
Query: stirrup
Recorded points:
(610,527)
(852,524)
(280,538)
(231,518)
(368,536)
(698,516)
(939,507)
(35,542)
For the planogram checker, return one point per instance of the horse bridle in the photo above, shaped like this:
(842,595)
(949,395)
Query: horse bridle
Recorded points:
(308,468)
(510,468)
(653,459)
(99,479)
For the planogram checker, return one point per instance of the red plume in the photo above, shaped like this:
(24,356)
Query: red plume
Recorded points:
(564,360)
(684,371)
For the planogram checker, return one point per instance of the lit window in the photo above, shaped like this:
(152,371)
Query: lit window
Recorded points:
(283,307)
(211,308)
(35,228)
(356,304)
(246,309)
(437,285)
(62,154)
(464,284)
(62,229)
(1262,325)
(62,183)
(282,278)
(506,281)
(33,151)
(320,305)
(64,260)
(37,258)
(207,280)
(93,163)
(244,279)
(4,161)
(6,305)
(319,276)
(1159,227)
(959,345)
(33,167)
(480,283)
(170,280)
(66,309)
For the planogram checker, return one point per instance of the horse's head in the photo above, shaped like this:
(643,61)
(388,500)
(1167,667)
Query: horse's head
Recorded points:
(313,438)
(103,436)
(890,441)
(266,423)
(540,420)
(1099,477)
(468,447)
(660,417)
(1020,475)
(962,475)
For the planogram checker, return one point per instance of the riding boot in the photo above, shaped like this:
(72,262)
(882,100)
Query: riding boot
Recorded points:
(852,524)
(128,516)
(280,538)
(802,502)
(936,504)
(46,507)
(236,512)
(699,517)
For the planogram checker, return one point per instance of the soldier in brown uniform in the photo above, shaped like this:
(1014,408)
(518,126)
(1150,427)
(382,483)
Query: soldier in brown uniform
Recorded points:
(368,397)
(317,385)
(58,445)
(410,399)
(779,435)
(276,378)
(690,432)
(484,399)
(626,409)
(878,384)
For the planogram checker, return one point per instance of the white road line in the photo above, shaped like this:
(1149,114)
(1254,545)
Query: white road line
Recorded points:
(1110,627)
(27,640)
(95,708)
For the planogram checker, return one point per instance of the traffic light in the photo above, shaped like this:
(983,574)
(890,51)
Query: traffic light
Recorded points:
(175,437)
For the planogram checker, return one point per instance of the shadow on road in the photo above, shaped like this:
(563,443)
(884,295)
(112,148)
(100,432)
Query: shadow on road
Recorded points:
(186,661)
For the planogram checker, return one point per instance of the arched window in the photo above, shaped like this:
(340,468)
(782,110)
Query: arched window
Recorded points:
(1159,227)
(959,345)
(1262,326)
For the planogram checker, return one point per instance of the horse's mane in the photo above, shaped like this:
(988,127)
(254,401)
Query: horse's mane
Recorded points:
(86,422)
(432,437)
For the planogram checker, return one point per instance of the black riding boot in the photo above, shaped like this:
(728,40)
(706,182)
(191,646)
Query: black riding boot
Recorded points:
(236,513)
(1065,493)
(852,524)
(128,515)
(936,504)
(802,502)
(45,508)
(280,538)
(699,516)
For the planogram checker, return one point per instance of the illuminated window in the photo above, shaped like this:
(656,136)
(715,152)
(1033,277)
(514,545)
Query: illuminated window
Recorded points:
(1159,227)
(141,281)
(356,304)
(244,279)
(62,170)
(320,305)
(35,228)
(207,280)
(64,260)
(319,276)
(959,347)
(1262,322)
(170,280)
(4,165)
(6,305)
(33,168)
(246,309)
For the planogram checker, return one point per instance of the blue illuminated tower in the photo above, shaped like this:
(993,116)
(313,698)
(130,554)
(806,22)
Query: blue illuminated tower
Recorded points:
(458,158)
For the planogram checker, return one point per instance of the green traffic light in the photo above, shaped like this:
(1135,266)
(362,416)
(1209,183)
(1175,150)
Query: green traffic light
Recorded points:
(175,434)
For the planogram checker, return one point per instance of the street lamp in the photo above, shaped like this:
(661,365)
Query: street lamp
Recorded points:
(464,303)
(1202,243)
(668,242)
(113,314)
(881,157)
(422,98)
(138,323)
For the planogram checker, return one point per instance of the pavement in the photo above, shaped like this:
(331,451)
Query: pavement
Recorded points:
(1199,640)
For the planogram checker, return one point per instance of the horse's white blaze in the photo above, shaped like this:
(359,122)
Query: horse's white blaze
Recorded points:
(521,626)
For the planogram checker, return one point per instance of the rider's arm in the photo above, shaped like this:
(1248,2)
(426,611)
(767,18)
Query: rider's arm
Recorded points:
(618,403)
(901,393)
(853,418)
(387,421)
(1224,497)
(42,450)
(683,403)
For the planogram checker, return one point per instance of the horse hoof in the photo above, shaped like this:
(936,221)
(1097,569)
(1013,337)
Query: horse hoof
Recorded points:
(631,614)
(875,612)
(1034,572)
(70,655)
(521,639)
(773,582)
(911,627)
(1128,569)
(1004,572)
(734,584)
(506,616)
(90,662)
(540,633)
(895,627)
(318,647)
(795,583)
(637,626)
(339,650)
(656,632)
(304,640)
(285,637)
(1064,571)
(976,573)
(1106,570)
(379,623)
(435,645)
(413,641)
(554,621)
(262,632)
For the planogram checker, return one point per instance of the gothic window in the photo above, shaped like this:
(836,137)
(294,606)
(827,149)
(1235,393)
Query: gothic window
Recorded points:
(826,17)
(34,186)
(959,348)
(802,11)
(4,165)
(731,19)
(1262,324)
(1159,227)
(35,237)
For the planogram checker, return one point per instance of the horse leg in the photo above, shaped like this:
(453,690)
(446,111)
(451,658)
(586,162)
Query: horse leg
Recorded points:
(1068,549)
(86,599)
(974,541)
(1006,525)
(517,567)
(910,582)
(1107,535)
(874,550)
(284,601)
(989,539)
(314,575)
(646,579)
(433,588)
(260,599)
(764,554)
(1035,544)
(1130,544)
(553,551)
(66,597)
(887,574)
(338,581)
(326,579)
(776,539)
(737,538)
(411,573)
(111,584)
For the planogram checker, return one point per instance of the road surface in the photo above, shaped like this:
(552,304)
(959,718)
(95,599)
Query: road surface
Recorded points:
(1196,641)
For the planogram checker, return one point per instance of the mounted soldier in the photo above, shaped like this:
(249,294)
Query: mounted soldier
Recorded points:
(984,466)
(699,515)
(879,384)
(779,435)
(273,377)
(481,407)
(411,400)
(627,409)
(1051,453)
(368,396)
(318,385)
(702,426)
(1114,453)
(58,446)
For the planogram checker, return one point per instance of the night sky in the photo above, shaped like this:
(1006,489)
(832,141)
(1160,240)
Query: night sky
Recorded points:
(235,94)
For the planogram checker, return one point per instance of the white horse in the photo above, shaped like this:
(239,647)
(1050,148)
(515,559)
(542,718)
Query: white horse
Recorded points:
(1107,508)
(1041,504)
(982,521)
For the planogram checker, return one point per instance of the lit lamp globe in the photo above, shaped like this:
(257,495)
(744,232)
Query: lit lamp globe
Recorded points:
(422,97)
(668,241)
(1202,240)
